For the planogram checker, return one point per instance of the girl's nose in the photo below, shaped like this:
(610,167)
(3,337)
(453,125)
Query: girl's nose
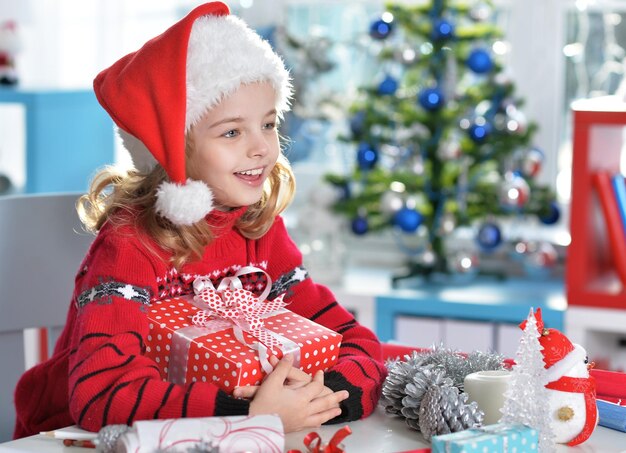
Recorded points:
(258,145)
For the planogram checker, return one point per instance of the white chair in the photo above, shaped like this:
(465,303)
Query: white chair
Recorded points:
(42,243)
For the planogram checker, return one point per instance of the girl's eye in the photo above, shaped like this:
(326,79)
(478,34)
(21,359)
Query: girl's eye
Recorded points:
(232,133)
(269,126)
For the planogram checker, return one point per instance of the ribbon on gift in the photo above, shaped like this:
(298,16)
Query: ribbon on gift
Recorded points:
(231,306)
(313,442)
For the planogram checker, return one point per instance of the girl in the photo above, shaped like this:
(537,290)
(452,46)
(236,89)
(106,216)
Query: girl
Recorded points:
(197,108)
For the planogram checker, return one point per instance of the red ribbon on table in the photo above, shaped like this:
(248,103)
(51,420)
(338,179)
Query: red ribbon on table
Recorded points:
(313,442)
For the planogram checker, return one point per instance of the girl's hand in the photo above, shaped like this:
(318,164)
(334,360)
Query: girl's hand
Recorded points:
(295,379)
(299,407)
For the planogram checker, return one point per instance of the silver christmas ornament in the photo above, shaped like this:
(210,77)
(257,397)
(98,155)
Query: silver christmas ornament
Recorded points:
(480,12)
(532,162)
(519,249)
(464,262)
(449,150)
(406,54)
(539,262)
(447,223)
(514,192)
(416,164)
(108,437)
(391,202)
(428,258)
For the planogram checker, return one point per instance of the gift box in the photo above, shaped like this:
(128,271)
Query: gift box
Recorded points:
(499,437)
(233,434)
(217,337)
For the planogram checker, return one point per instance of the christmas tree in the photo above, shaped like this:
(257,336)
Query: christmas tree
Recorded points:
(440,139)
(526,397)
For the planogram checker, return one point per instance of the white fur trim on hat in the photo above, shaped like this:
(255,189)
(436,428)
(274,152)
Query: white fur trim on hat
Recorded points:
(142,158)
(224,53)
(184,204)
(567,364)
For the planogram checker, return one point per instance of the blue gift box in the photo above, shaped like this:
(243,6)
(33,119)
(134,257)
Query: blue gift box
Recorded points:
(498,438)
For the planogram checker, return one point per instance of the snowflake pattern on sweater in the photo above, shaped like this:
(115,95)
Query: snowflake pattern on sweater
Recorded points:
(104,292)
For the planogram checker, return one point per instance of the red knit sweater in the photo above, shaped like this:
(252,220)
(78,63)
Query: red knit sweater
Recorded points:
(98,374)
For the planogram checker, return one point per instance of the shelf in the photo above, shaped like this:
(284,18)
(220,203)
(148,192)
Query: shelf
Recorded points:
(597,146)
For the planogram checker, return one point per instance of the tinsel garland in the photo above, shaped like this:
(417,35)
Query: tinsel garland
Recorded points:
(426,388)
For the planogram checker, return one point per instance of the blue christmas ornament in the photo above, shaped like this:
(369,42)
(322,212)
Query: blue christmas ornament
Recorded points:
(442,30)
(431,99)
(357,123)
(479,61)
(388,86)
(553,215)
(489,236)
(366,156)
(380,29)
(479,132)
(408,219)
(360,225)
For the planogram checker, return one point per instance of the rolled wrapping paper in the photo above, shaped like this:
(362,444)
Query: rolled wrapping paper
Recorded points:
(258,433)
(487,389)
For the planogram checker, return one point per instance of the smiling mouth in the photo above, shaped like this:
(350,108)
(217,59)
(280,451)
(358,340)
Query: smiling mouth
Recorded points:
(250,175)
(255,172)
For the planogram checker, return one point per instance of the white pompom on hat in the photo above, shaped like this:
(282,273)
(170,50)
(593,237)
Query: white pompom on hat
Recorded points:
(154,95)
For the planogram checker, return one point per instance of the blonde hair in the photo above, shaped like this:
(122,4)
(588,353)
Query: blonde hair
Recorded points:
(114,192)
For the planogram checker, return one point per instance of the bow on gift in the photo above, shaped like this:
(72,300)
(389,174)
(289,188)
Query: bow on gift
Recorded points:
(313,442)
(231,302)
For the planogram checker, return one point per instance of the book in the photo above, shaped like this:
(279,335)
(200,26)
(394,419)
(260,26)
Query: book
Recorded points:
(619,189)
(602,182)
(612,415)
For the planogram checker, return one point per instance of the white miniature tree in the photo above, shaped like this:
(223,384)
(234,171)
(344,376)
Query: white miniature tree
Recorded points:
(526,397)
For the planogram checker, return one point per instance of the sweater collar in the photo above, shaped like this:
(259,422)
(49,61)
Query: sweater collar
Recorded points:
(222,221)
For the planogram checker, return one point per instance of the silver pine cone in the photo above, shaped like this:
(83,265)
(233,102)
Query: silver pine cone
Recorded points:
(423,379)
(444,410)
(400,373)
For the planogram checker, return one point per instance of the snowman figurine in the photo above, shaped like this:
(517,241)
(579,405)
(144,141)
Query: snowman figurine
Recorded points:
(572,402)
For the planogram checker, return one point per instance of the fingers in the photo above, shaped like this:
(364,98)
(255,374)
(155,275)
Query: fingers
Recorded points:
(247,391)
(281,370)
(274,361)
(320,418)
(321,410)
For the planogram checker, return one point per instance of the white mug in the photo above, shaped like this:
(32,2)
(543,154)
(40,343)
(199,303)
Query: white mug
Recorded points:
(487,389)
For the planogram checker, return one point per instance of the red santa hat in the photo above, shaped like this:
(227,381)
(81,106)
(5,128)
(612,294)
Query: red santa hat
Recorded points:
(154,95)
(560,355)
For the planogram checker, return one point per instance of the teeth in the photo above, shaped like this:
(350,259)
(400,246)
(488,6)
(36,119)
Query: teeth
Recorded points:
(254,172)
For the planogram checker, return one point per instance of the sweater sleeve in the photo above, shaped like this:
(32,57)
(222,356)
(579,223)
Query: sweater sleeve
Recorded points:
(360,367)
(110,379)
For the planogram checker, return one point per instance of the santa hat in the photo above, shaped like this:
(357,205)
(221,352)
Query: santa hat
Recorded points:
(560,355)
(155,94)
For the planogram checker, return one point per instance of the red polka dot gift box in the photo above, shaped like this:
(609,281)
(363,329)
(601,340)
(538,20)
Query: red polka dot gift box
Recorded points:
(225,335)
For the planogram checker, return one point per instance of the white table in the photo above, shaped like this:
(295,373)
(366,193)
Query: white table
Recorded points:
(380,433)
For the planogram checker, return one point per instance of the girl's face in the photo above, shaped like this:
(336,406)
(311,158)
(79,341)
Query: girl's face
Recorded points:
(235,145)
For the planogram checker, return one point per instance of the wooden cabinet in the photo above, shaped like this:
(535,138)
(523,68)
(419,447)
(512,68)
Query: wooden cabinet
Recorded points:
(591,279)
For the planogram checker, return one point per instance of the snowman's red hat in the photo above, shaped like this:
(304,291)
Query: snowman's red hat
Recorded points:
(559,354)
